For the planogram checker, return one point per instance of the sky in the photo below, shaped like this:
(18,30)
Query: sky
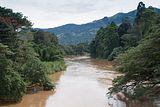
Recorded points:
(53,13)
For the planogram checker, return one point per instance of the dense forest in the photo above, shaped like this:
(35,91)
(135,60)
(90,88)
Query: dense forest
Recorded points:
(27,56)
(135,48)
(81,33)
(77,49)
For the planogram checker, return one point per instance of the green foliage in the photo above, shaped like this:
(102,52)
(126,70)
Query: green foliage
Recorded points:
(125,35)
(48,85)
(12,86)
(79,49)
(31,67)
(138,58)
(74,34)
(123,29)
(46,38)
(105,41)
(21,52)
(141,67)
(13,20)
(145,19)
(55,66)
(35,72)
(46,45)
(115,53)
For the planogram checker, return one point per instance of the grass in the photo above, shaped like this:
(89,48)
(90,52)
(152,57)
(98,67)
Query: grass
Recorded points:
(55,66)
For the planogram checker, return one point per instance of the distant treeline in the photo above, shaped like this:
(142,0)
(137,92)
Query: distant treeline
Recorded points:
(136,50)
(27,56)
(78,49)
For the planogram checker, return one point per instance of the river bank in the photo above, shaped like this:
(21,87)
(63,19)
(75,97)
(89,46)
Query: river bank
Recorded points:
(84,81)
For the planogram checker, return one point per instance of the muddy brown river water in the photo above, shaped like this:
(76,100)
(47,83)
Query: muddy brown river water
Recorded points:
(84,84)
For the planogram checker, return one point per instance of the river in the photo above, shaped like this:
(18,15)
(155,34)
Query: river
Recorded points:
(84,84)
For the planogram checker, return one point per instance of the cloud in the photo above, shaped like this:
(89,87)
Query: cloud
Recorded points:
(51,13)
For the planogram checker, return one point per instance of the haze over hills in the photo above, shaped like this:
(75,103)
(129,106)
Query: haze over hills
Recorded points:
(74,34)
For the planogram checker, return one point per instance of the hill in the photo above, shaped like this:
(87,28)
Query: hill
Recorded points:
(73,33)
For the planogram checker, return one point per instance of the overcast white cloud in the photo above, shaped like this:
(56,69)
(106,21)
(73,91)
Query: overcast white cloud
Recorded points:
(51,13)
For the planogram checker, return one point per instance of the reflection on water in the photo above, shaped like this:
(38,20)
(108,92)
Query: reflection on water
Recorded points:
(84,84)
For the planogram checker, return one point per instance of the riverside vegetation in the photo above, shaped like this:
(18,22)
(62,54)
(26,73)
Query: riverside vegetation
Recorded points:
(27,56)
(76,49)
(136,50)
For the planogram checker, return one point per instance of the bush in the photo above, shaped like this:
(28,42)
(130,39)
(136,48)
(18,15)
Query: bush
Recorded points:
(12,86)
(35,72)
(55,66)
(141,67)
(115,53)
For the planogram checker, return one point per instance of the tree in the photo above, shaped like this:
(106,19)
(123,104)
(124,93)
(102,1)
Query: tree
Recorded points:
(46,46)
(141,67)
(19,64)
(140,8)
(105,41)
(143,22)
(141,60)
(124,28)
(15,21)
(12,86)
(93,49)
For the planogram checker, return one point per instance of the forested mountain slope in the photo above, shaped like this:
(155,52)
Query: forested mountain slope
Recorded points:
(74,34)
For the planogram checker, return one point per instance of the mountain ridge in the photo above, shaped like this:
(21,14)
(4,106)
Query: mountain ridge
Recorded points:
(80,33)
